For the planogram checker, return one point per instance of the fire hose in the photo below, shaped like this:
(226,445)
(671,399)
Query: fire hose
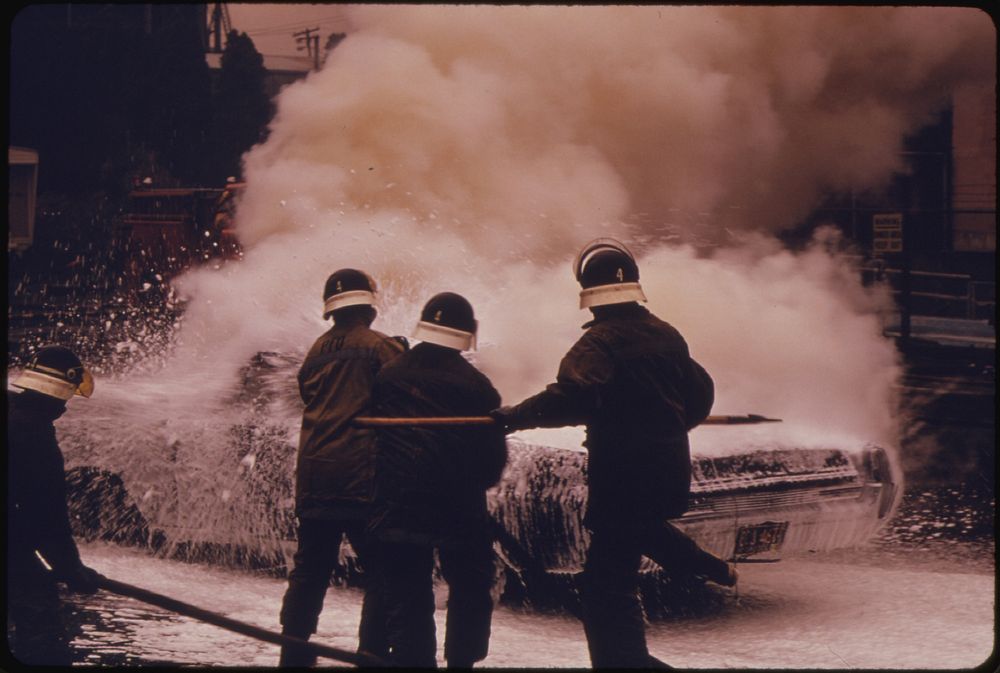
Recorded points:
(428,421)
(357,658)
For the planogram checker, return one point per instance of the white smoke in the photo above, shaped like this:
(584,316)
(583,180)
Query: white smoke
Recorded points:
(475,148)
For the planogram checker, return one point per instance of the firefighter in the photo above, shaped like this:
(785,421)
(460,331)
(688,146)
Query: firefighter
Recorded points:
(336,462)
(631,380)
(431,491)
(41,551)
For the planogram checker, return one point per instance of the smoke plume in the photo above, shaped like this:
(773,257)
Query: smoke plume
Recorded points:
(475,148)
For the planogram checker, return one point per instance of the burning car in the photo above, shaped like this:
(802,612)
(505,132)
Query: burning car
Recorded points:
(217,485)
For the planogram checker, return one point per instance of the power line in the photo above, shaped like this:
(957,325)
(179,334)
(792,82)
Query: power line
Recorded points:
(296,24)
(311,43)
(270,30)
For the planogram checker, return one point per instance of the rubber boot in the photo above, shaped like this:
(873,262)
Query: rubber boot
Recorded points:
(731,577)
(658,663)
(296,656)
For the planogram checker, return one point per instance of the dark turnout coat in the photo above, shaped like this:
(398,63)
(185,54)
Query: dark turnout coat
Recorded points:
(336,462)
(432,480)
(37,517)
(631,380)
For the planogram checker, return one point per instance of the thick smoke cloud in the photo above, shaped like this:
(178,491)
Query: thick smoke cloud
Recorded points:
(563,119)
(475,148)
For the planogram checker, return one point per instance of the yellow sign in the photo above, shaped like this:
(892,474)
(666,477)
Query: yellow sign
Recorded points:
(887,233)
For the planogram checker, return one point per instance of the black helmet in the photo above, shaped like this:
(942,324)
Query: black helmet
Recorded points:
(608,274)
(347,287)
(448,320)
(57,372)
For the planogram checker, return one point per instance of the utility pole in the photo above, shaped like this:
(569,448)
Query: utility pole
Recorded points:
(218,26)
(311,43)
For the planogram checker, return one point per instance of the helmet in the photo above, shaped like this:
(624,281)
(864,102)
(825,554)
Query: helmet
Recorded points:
(347,287)
(447,320)
(55,371)
(607,272)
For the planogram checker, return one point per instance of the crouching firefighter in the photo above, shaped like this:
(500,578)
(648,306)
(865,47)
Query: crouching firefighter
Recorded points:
(336,461)
(631,380)
(41,551)
(431,491)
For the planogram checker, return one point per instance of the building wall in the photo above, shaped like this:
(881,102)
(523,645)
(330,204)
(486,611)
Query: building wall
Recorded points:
(974,194)
(22,173)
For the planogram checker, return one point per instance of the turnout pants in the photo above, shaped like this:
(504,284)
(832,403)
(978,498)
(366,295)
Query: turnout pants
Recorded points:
(37,630)
(317,555)
(407,571)
(674,551)
(613,619)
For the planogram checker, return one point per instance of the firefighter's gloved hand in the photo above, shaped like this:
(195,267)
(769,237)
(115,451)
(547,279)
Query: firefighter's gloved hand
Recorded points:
(83,580)
(504,417)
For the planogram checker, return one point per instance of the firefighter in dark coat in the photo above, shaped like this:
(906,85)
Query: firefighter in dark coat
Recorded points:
(431,487)
(336,460)
(631,380)
(40,548)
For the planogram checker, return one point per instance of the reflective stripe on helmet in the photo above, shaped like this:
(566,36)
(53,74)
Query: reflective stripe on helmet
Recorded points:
(603,295)
(349,298)
(445,336)
(53,386)
(594,247)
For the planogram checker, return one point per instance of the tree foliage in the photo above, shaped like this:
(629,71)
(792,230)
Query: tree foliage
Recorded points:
(112,92)
(242,106)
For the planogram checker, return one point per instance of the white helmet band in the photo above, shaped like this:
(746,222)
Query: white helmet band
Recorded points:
(619,293)
(46,384)
(349,298)
(445,336)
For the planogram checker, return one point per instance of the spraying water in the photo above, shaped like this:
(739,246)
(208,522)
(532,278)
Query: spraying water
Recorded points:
(474,149)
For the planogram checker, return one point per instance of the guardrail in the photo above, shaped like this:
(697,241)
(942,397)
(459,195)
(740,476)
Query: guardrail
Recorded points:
(948,294)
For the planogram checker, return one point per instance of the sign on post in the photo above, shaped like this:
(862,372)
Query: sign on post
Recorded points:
(887,233)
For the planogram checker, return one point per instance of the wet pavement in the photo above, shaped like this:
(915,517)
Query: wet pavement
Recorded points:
(948,527)
(918,596)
